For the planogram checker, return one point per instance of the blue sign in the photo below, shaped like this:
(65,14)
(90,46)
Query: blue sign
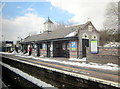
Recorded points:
(74,46)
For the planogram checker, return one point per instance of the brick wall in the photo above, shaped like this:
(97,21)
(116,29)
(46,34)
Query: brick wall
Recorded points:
(34,53)
(73,53)
(106,54)
(43,52)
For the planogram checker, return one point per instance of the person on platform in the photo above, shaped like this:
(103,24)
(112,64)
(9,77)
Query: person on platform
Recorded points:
(30,50)
(16,48)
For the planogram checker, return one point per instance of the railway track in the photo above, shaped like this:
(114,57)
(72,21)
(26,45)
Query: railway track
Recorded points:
(109,76)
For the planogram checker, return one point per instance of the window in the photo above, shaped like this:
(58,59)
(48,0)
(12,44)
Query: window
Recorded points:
(63,46)
(94,37)
(44,46)
(90,28)
(85,36)
(68,46)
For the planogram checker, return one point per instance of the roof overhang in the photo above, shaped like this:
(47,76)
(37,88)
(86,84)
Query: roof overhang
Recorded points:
(49,40)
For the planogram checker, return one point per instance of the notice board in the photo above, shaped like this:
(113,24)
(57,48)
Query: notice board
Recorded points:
(74,46)
(94,46)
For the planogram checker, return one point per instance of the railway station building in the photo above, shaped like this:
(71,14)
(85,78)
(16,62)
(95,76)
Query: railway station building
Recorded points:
(70,42)
(6,46)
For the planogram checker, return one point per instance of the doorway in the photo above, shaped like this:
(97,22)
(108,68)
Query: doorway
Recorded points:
(57,49)
(38,50)
(85,43)
(48,49)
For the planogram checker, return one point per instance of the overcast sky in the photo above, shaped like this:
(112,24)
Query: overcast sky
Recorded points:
(19,19)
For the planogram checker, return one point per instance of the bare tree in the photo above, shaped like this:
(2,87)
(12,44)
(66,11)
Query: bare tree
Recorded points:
(59,26)
(104,37)
(62,25)
(111,21)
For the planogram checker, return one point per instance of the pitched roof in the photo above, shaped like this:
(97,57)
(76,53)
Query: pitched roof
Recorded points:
(49,35)
(48,21)
(61,33)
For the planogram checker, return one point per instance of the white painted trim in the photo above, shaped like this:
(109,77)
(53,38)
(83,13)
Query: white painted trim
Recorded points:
(83,36)
(93,37)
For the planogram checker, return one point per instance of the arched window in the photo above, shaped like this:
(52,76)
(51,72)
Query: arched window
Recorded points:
(94,37)
(85,36)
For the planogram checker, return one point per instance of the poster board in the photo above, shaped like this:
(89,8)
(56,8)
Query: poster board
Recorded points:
(74,46)
(94,46)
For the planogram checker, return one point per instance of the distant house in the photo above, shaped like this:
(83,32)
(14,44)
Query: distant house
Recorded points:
(68,42)
(6,46)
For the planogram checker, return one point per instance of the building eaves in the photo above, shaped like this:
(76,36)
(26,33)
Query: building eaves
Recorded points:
(56,34)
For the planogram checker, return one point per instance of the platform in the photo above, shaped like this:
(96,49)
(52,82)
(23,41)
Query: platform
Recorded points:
(108,77)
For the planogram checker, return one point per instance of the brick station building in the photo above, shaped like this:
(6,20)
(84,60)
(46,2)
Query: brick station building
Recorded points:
(68,42)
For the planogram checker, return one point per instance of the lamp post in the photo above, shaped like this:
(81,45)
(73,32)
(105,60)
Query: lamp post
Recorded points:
(20,47)
(3,38)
